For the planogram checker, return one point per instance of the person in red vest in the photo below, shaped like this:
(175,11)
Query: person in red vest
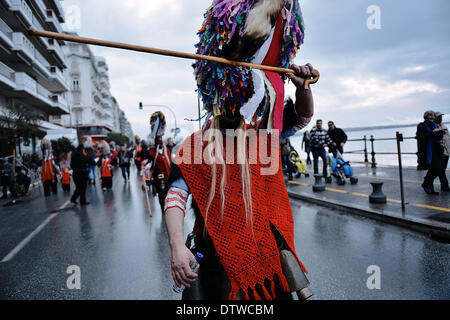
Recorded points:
(49,169)
(244,224)
(106,171)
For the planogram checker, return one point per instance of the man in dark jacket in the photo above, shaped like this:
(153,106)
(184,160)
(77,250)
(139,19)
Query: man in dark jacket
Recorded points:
(80,164)
(339,138)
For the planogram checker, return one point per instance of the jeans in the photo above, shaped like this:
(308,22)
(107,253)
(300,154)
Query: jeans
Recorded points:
(125,171)
(320,152)
(92,172)
(334,151)
(290,169)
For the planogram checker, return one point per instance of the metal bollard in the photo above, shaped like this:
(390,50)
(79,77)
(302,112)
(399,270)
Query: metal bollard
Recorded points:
(318,185)
(377,195)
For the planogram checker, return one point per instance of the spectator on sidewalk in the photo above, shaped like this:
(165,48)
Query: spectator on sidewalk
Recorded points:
(306,146)
(445,142)
(429,136)
(339,138)
(6,176)
(319,141)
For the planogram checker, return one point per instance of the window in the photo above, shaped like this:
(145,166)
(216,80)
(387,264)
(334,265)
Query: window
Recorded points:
(76,84)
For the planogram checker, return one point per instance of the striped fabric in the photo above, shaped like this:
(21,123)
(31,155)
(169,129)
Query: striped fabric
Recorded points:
(176,198)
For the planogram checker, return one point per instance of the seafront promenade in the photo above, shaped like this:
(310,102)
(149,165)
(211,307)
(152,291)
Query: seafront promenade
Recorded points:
(429,214)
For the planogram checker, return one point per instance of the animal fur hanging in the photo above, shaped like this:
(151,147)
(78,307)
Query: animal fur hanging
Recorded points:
(236,29)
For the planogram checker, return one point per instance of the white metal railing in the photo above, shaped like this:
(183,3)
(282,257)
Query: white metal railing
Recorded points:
(22,6)
(6,71)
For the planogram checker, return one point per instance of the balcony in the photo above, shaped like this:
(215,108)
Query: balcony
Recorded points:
(32,92)
(58,79)
(59,11)
(57,51)
(41,8)
(24,46)
(7,77)
(23,11)
(6,34)
(52,21)
(60,102)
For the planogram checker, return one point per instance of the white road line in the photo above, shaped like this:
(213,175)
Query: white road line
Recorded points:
(25,241)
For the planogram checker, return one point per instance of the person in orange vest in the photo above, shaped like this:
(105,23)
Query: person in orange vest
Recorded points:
(138,153)
(65,171)
(49,169)
(106,171)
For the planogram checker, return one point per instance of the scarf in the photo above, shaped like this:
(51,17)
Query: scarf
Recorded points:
(430,126)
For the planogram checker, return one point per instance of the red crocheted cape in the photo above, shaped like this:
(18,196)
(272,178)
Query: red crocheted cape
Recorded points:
(247,260)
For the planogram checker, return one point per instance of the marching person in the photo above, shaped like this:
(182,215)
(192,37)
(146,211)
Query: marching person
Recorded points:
(243,216)
(106,171)
(49,169)
(160,155)
(65,169)
(80,164)
(125,155)
(138,150)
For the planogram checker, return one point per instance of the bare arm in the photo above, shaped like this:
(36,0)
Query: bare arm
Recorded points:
(304,102)
(181,256)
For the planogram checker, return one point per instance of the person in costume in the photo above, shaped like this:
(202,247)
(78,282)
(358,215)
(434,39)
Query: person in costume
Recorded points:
(49,169)
(105,165)
(159,156)
(65,172)
(243,216)
(138,151)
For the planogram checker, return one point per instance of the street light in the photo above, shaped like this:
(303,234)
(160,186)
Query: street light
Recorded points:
(141,107)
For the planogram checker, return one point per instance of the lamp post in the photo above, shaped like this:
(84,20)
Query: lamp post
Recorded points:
(141,106)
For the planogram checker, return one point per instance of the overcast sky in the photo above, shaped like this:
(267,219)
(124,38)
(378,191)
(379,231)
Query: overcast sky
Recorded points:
(369,77)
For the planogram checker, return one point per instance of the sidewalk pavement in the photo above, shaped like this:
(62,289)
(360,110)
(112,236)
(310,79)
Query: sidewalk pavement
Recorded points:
(429,214)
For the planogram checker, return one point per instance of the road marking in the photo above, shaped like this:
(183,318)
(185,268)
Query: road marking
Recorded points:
(366,196)
(431,207)
(391,179)
(30,237)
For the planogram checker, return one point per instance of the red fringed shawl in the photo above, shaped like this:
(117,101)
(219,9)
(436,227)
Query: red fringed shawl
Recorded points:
(247,260)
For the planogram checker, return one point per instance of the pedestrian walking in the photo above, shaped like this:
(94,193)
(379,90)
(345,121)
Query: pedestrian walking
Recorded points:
(139,149)
(125,155)
(429,135)
(93,155)
(306,146)
(49,169)
(80,164)
(65,172)
(445,142)
(319,141)
(338,136)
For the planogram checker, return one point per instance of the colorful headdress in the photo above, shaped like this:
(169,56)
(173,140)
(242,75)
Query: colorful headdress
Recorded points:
(227,32)
(157,125)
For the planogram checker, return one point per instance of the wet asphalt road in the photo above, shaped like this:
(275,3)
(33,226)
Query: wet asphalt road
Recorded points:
(123,253)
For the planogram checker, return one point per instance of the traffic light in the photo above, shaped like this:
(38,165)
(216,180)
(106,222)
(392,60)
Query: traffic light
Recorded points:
(140,105)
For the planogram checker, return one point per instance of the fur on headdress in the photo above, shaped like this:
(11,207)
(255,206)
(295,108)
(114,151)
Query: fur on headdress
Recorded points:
(236,29)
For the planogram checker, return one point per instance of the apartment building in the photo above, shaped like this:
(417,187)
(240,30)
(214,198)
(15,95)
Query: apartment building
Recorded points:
(32,69)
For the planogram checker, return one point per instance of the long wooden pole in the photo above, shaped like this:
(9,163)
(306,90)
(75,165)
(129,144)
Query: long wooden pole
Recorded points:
(170,53)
